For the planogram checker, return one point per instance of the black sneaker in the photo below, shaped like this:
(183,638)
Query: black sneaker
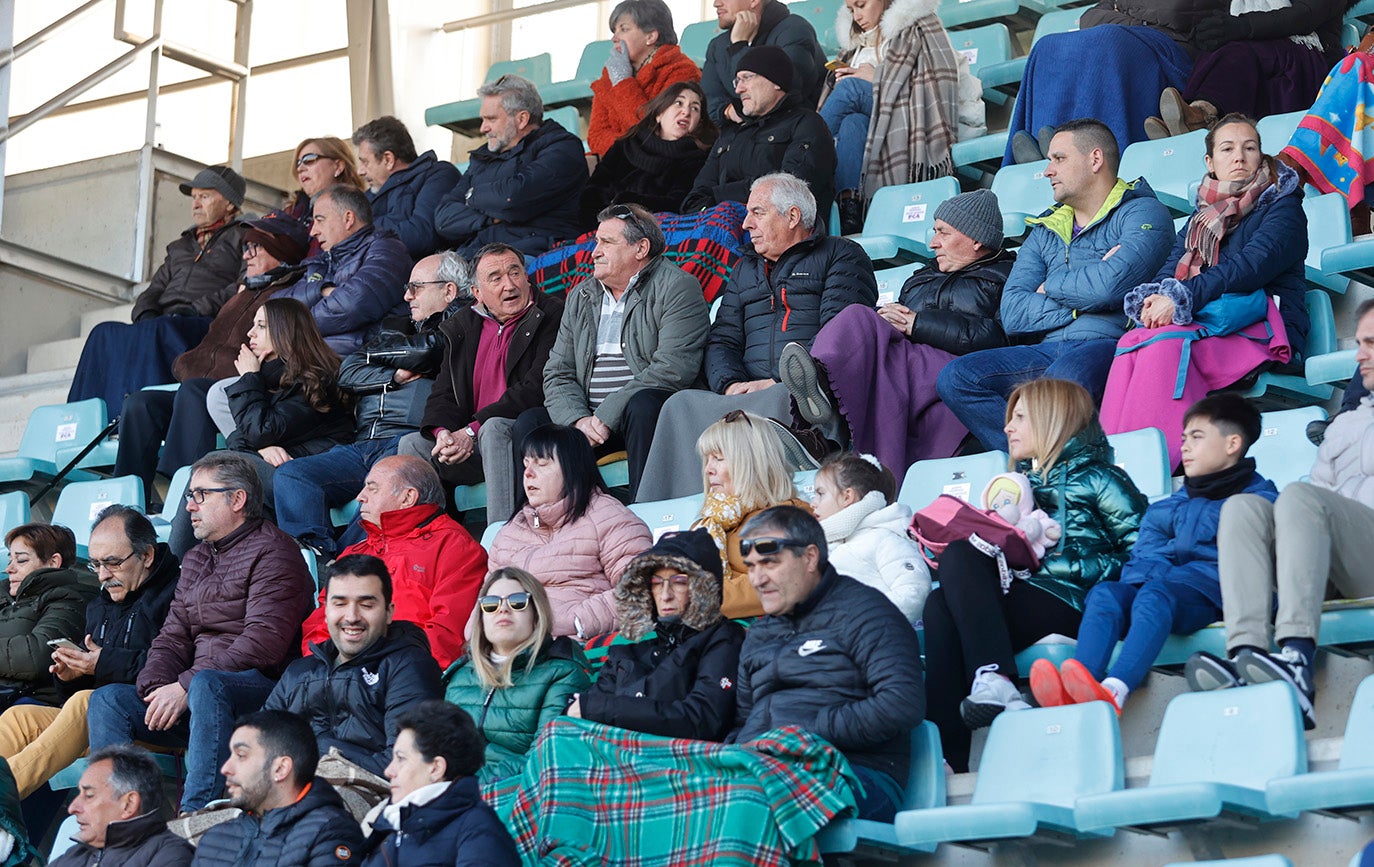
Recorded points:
(802,376)
(1206,671)
(1288,666)
(794,451)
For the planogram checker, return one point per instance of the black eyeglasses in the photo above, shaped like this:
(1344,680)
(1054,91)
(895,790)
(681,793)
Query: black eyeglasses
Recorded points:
(198,494)
(769,546)
(515,601)
(307,159)
(109,564)
(414,285)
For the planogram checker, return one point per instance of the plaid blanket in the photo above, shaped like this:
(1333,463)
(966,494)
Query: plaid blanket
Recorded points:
(594,794)
(1334,143)
(705,245)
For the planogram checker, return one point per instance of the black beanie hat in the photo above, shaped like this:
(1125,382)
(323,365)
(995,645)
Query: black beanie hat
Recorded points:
(769,61)
(695,545)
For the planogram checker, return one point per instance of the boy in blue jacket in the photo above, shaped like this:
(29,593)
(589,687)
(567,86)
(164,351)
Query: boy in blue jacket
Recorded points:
(1171,583)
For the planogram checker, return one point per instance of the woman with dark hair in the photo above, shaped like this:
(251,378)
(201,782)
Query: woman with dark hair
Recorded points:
(286,402)
(48,599)
(656,162)
(436,805)
(671,681)
(568,531)
(644,60)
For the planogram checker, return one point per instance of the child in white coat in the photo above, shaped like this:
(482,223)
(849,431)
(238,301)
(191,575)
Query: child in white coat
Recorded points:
(867,531)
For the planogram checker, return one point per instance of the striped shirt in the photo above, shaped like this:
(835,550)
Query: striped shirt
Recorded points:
(610,371)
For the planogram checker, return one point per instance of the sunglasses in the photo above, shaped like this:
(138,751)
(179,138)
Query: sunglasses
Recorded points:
(735,415)
(515,601)
(770,546)
(307,159)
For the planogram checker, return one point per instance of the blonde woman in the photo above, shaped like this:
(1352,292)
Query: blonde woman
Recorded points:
(974,624)
(515,676)
(743,472)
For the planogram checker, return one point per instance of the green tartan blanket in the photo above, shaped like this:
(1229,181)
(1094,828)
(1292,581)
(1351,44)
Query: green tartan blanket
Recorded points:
(595,794)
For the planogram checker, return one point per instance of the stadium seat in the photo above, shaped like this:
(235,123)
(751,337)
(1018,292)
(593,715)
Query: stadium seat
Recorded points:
(988,48)
(1022,191)
(1170,165)
(467,497)
(667,516)
(1256,861)
(1348,788)
(312,562)
(568,118)
(175,502)
(695,37)
(1288,389)
(52,437)
(963,477)
(1013,69)
(1330,367)
(14,512)
(1276,129)
(1283,454)
(891,280)
(821,15)
(67,834)
(978,156)
(579,87)
(1216,753)
(961,13)
(70,776)
(1328,228)
(462,116)
(900,218)
(1035,765)
(614,469)
(1144,456)
(490,533)
(925,788)
(80,502)
(344,515)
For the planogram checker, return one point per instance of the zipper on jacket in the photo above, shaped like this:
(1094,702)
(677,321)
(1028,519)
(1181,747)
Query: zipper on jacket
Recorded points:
(486,705)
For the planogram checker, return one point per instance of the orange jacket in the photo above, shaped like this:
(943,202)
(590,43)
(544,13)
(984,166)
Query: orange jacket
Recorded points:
(615,107)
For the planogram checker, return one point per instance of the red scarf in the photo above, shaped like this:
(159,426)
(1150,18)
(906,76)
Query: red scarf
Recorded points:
(1220,206)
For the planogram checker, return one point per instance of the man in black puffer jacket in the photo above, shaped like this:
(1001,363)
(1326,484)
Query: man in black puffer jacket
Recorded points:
(832,655)
(353,687)
(291,818)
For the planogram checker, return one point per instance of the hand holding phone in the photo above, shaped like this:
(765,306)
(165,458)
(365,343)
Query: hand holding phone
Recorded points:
(67,643)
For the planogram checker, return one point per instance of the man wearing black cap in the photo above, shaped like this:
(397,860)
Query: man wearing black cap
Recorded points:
(780,131)
(750,23)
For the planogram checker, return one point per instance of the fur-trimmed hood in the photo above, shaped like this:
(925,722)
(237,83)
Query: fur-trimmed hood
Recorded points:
(896,18)
(634,600)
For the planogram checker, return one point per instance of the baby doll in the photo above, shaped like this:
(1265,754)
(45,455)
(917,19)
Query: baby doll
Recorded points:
(1009,495)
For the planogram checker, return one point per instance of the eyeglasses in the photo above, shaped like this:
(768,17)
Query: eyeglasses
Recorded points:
(675,580)
(515,602)
(307,159)
(742,77)
(414,285)
(251,249)
(198,494)
(769,547)
(109,564)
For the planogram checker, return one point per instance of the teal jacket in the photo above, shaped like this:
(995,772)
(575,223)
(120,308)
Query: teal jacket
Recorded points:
(1099,509)
(511,718)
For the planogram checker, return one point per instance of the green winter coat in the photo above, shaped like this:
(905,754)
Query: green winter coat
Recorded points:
(1099,509)
(51,603)
(511,718)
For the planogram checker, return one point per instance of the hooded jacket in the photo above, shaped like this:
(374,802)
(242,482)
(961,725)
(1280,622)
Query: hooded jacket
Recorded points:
(354,705)
(126,629)
(511,718)
(868,542)
(579,562)
(406,202)
(455,828)
(678,679)
(1099,509)
(778,26)
(791,138)
(315,831)
(143,841)
(191,281)
(767,305)
(368,271)
(50,603)
(617,107)
(1083,291)
(526,196)
(958,311)
(843,664)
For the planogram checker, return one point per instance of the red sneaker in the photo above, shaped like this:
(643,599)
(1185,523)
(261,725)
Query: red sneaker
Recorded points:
(1083,687)
(1046,685)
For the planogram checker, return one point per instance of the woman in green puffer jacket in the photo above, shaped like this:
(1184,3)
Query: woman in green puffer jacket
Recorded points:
(973,625)
(515,677)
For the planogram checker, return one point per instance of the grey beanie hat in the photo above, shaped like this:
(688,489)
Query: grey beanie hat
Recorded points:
(976,214)
(221,179)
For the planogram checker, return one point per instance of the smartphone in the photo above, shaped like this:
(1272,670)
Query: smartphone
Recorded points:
(836,64)
(64,642)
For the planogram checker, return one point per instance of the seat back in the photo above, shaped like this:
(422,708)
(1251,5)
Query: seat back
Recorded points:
(963,477)
(1276,129)
(1022,191)
(1171,165)
(1283,454)
(1321,333)
(80,502)
(1051,755)
(61,426)
(14,511)
(1328,225)
(1358,749)
(489,534)
(176,494)
(805,483)
(1243,737)
(593,60)
(568,118)
(821,15)
(667,516)
(1061,21)
(1145,458)
(538,69)
(694,38)
(983,46)
(925,780)
(891,280)
(908,210)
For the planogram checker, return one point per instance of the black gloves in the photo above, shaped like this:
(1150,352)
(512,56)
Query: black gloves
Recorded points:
(1218,29)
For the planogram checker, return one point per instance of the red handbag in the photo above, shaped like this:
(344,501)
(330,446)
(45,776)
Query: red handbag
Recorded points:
(950,519)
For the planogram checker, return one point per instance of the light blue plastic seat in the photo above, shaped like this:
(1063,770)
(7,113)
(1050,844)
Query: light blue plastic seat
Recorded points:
(1338,366)
(1283,454)
(1288,389)
(900,218)
(615,473)
(891,280)
(978,156)
(568,118)
(14,511)
(52,437)
(467,497)
(344,515)
(1022,191)
(80,502)
(312,562)
(924,789)
(462,115)
(1171,165)
(1276,129)
(963,477)
(175,502)
(961,13)
(988,48)
(821,15)
(1348,788)
(1035,765)
(668,516)
(489,534)
(1216,753)
(1145,458)
(65,839)
(579,87)
(1256,861)
(694,39)
(1328,229)
(1014,68)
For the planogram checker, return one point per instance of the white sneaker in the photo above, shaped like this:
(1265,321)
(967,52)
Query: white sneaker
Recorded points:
(991,694)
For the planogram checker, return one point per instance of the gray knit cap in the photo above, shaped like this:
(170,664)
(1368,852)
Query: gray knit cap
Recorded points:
(222,179)
(975,214)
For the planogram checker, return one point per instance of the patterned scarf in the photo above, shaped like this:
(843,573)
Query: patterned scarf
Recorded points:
(205,233)
(720,513)
(1220,206)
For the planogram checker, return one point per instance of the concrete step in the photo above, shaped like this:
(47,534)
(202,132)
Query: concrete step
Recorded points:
(20,395)
(118,313)
(55,354)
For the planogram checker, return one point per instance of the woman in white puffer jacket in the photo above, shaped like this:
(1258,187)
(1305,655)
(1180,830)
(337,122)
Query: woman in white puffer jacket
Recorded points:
(867,531)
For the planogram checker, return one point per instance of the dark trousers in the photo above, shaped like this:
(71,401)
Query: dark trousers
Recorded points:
(179,417)
(970,623)
(635,435)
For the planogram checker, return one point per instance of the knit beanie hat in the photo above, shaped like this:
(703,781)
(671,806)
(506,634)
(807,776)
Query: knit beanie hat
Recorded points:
(222,179)
(694,545)
(769,61)
(281,235)
(976,214)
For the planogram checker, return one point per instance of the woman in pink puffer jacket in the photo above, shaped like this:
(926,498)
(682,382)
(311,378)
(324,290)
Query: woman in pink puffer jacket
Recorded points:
(570,534)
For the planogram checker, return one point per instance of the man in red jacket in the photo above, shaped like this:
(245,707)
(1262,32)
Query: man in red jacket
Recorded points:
(436,567)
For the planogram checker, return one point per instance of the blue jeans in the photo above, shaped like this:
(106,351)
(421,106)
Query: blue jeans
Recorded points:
(1145,614)
(846,111)
(215,700)
(976,386)
(882,795)
(305,489)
